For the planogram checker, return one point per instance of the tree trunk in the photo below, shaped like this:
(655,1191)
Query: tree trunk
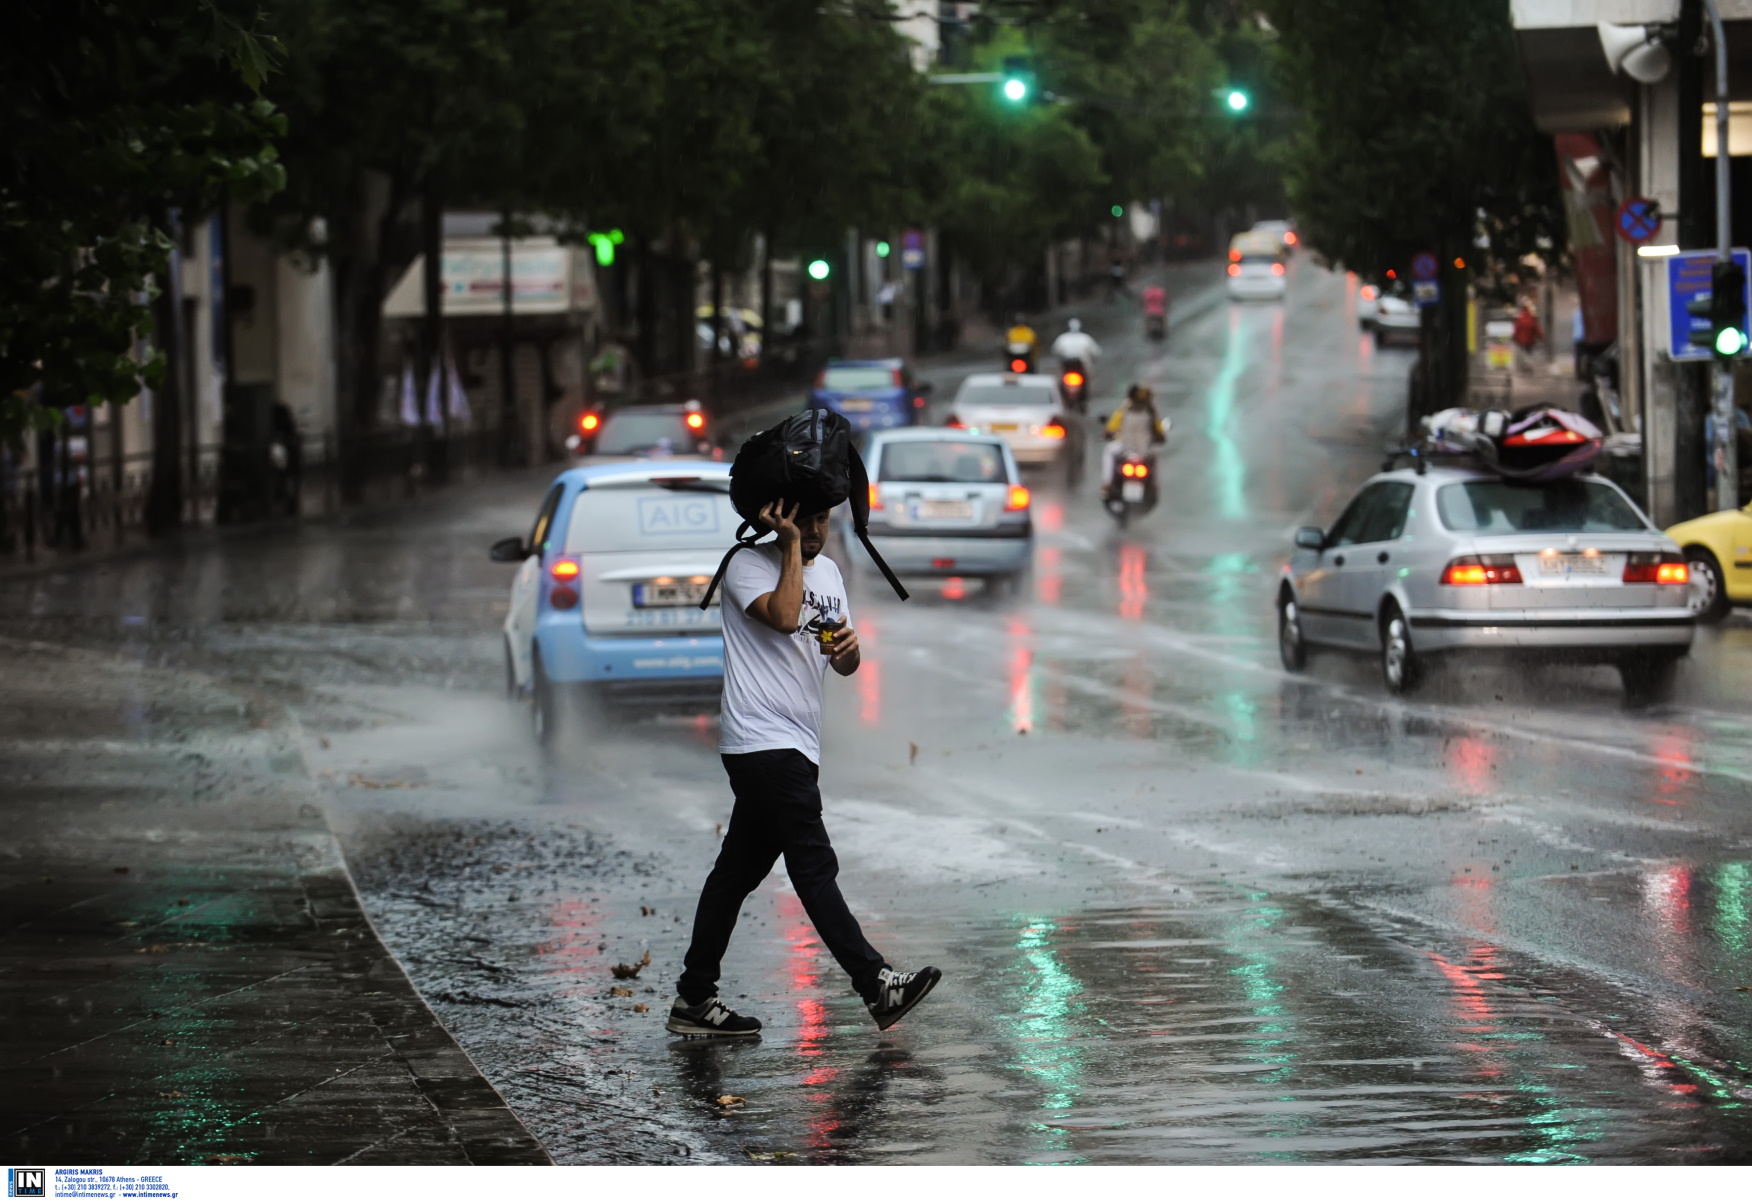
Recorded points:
(432,329)
(717,310)
(164,503)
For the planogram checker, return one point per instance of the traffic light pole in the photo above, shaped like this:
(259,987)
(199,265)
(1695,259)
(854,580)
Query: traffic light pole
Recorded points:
(1725,452)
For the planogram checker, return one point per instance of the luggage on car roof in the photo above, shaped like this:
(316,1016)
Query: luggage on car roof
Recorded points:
(1534,443)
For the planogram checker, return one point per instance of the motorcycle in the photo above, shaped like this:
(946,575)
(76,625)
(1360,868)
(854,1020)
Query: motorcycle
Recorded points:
(1074,384)
(1155,326)
(1019,357)
(1132,490)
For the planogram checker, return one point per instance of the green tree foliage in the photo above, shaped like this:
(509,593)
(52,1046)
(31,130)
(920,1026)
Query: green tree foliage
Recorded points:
(116,117)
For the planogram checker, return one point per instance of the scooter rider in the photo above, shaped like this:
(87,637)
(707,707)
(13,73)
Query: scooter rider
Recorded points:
(1075,346)
(1021,342)
(1135,429)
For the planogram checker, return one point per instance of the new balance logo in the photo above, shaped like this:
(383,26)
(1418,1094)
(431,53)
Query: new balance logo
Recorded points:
(27,1182)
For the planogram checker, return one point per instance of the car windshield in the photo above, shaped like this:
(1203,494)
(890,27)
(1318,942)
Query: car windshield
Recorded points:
(1258,260)
(850,379)
(642,433)
(942,462)
(1006,394)
(1558,507)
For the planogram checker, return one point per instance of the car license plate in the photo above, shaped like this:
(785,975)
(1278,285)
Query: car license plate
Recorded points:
(943,510)
(1131,490)
(665,596)
(1572,565)
(1005,426)
(857,404)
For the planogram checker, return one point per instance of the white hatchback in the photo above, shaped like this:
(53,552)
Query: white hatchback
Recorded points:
(1026,411)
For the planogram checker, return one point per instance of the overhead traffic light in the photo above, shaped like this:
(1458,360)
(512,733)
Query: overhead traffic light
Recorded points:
(819,270)
(1237,100)
(1723,307)
(1017,86)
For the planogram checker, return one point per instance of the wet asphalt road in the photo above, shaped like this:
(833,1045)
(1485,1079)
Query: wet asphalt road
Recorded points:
(1189,908)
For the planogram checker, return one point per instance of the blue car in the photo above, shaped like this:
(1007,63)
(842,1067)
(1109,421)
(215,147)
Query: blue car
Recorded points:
(605,605)
(872,394)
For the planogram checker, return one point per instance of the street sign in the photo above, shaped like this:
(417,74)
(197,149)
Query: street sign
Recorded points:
(1639,219)
(1424,265)
(912,249)
(1425,292)
(1688,278)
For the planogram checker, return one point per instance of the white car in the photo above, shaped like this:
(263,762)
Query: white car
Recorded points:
(1396,320)
(1026,411)
(1257,276)
(1368,304)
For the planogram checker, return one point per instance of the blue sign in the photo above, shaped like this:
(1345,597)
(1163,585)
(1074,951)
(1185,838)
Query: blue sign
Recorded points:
(1425,292)
(1424,265)
(1687,280)
(1639,219)
(912,249)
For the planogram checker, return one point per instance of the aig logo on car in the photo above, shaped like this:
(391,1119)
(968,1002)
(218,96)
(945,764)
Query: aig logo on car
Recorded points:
(659,515)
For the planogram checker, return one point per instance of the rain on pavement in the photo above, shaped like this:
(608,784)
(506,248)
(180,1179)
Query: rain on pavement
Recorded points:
(1189,908)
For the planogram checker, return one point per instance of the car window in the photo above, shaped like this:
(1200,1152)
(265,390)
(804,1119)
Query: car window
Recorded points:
(1006,394)
(627,433)
(1569,506)
(614,519)
(1349,527)
(1386,517)
(544,518)
(850,379)
(1258,260)
(944,462)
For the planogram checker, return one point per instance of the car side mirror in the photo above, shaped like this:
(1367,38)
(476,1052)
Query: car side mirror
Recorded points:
(1311,537)
(508,550)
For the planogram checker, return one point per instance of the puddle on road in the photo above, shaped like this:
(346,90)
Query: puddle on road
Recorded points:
(1223,1026)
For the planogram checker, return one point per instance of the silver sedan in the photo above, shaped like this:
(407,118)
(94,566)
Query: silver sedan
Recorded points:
(1453,559)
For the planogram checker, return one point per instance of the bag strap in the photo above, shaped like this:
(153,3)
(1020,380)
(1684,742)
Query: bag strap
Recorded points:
(742,542)
(860,498)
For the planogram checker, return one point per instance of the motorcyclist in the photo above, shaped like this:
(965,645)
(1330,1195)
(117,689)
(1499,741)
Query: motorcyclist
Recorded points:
(1156,308)
(1135,429)
(1020,342)
(1075,346)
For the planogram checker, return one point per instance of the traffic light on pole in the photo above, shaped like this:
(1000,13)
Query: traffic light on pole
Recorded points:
(1237,100)
(1727,302)
(1018,83)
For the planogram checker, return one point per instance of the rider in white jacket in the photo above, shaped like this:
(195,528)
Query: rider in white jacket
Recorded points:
(1076,345)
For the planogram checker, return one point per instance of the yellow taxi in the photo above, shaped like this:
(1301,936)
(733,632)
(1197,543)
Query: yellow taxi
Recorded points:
(1718,550)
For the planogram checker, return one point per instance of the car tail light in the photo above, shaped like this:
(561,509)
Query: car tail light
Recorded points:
(1277,268)
(1234,256)
(1289,239)
(1369,292)
(1018,499)
(563,596)
(943,564)
(899,380)
(1052,429)
(954,423)
(565,569)
(1656,567)
(918,402)
(1234,268)
(1469,570)
(588,423)
(1019,366)
(875,497)
(696,421)
(1073,379)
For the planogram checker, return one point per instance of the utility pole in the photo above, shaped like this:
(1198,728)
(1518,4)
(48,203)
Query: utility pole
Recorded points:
(1725,451)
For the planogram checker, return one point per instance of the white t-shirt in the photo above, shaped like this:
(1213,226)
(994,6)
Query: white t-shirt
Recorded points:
(1075,344)
(772,681)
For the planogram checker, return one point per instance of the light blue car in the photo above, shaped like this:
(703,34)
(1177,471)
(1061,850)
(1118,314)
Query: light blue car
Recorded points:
(606,600)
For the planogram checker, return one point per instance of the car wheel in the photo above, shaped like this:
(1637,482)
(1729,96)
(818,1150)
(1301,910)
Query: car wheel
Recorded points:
(545,709)
(1292,649)
(1400,669)
(1707,598)
(1648,678)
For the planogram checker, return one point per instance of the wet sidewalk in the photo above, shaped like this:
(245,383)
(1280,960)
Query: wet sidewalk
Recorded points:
(186,975)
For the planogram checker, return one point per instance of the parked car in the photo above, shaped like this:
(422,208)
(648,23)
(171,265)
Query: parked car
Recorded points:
(872,394)
(946,502)
(658,431)
(605,605)
(1460,559)
(1718,555)
(1026,411)
(1397,319)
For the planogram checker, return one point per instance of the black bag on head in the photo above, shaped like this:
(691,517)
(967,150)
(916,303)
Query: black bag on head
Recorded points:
(807,460)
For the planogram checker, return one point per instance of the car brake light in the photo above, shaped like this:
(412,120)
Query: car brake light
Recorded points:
(1656,567)
(1469,570)
(563,596)
(954,423)
(1369,292)
(1277,268)
(918,402)
(1234,256)
(1019,366)
(589,422)
(565,569)
(875,498)
(1018,499)
(1053,430)
(1073,379)
(1234,268)
(899,380)
(696,421)
(1289,239)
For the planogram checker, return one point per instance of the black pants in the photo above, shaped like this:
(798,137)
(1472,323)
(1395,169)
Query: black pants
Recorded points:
(778,812)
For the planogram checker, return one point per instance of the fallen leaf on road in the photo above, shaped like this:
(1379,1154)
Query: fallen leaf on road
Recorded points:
(171,1096)
(1743,988)
(719,826)
(325,743)
(912,753)
(646,911)
(727,1101)
(156,948)
(358,781)
(641,1007)
(620,992)
(763,1155)
(630,971)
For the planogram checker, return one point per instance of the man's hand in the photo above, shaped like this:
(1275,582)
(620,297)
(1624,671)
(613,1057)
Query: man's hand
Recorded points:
(783,524)
(843,655)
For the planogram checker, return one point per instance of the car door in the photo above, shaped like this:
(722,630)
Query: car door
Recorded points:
(1328,615)
(1368,563)
(1737,567)
(526,588)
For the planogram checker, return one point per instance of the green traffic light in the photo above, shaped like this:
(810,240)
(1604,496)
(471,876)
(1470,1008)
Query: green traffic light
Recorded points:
(1237,100)
(604,245)
(1730,341)
(818,269)
(1117,210)
(1015,91)
(882,250)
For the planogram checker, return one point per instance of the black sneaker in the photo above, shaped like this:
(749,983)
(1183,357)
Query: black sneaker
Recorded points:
(711,1018)
(900,992)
